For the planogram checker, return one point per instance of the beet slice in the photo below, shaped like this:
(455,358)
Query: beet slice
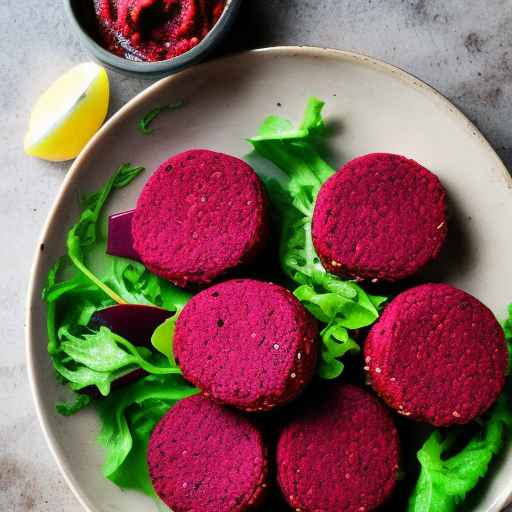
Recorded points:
(134,322)
(120,239)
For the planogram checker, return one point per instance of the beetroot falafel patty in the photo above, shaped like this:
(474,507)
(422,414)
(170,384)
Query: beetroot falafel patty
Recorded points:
(380,217)
(246,343)
(205,457)
(200,215)
(340,455)
(437,354)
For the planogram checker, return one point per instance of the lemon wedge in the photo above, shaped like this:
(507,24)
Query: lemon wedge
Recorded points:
(68,113)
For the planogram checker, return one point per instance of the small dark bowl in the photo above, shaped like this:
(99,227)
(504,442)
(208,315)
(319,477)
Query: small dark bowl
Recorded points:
(83,18)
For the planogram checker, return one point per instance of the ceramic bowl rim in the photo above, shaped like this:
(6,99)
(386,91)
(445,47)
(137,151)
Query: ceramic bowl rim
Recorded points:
(154,69)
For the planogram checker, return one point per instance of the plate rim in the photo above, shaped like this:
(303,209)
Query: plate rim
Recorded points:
(33,294)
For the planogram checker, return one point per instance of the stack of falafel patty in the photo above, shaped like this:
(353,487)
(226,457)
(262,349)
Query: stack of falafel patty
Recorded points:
(436,355)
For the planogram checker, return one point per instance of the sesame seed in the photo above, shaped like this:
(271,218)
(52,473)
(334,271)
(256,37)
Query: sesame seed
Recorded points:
(299,356)
(378,370)
(366,368)
(293,375)
(276,346)
(455,414)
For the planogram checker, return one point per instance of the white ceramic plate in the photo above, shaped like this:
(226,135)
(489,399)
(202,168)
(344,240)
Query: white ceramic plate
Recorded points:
(376,107)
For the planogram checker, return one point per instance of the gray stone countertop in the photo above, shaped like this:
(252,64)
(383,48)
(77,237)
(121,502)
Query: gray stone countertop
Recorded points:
(461,47)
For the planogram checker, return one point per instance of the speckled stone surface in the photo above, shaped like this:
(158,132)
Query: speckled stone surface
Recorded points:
(462,47)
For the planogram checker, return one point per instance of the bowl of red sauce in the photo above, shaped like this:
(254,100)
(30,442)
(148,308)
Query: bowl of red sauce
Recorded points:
(151,38)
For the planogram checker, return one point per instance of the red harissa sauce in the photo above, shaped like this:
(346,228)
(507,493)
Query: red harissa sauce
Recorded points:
(154,30)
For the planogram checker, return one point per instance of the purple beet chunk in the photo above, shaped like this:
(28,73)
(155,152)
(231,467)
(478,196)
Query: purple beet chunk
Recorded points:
(120,240)
(134,322)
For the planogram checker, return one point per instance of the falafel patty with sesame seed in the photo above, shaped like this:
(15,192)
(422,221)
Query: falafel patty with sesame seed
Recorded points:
(381,217)
(203,456)
(437,355)
(246,343)
(200,215)
(340,453)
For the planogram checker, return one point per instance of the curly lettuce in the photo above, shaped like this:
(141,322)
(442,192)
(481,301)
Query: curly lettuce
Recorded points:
(342,305)
(445,481)
(101,357)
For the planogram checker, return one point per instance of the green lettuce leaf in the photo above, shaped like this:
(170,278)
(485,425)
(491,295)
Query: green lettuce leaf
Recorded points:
(128,417)
(444,481)
(70,408)
(507,329)
(84,233)
(136,285)
(341,304)
(101,357)
(145,123)
(161,337)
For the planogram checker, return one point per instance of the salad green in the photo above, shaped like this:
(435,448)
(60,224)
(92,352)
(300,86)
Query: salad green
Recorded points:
(145,123)
(507,329)
(444,481)
(160,339)
(103,353)
(340,304)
